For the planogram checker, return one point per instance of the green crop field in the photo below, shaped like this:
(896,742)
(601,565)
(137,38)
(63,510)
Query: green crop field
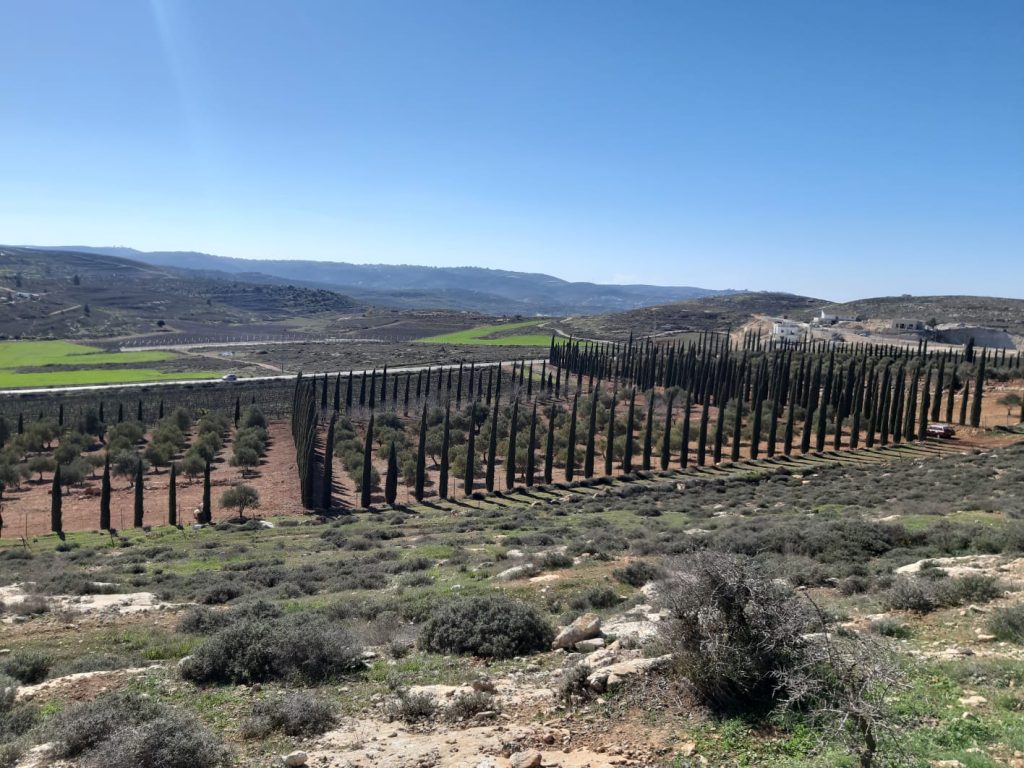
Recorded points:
(75,364)
(489,335)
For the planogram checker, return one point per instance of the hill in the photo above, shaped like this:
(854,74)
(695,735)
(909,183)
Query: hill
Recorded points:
(713,313)
(86,295)
(492,291)
(985,311)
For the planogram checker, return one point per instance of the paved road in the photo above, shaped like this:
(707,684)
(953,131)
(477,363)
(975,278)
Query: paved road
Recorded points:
(245,379)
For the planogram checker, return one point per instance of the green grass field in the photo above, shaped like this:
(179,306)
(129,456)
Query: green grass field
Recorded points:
(79,365)
(487,335)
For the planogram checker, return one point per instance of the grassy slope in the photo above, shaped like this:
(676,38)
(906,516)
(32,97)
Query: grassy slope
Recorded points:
(79,365)
(489,335)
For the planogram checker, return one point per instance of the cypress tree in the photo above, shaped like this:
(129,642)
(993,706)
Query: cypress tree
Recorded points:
(899,401)
(60,415)
(570,448)
(819,437)
(719,438)
(337,393)
(373,389)
(648,433)
(684,451)
(56,521)
(666,438)
(120,412)
(172,496)
(755,429)
(812,404)
(405,397)
(101,411)
(588,457)
(442,482)
(21,424)
(384,388)
(105,495)
(702,435)
(238,410)
(206,513)
(531,445)
(627,453)
(139,513)
(549,453)
(773,421)
(979,387)
(950,396)
(737,430)
(492,449)
(609,448)
(348,392)
(365,496)
(138,415)
(467,485)
(421,457)
(937,397)
(510,454)
(787,434)
(362,390)
(327,484)
(391,479)
(925,408)
(964,397)
(323,395)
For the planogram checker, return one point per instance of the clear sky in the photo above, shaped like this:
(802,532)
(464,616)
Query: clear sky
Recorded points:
(827,147)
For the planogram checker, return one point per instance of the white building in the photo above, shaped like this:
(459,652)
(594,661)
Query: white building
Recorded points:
(788,331)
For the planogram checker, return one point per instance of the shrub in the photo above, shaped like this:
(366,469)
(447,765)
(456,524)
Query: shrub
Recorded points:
(468,705)
(574,689)
(252,650)
(553,560)
(733,631)
(596,597)
(411,707)
(888,627)
(293,714)
(492,625)
(82,727)
(8,692)
(28,667)
(172,740)
(931,591)
(637,573)
(1007,624)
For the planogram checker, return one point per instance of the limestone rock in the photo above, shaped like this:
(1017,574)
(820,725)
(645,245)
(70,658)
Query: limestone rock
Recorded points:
(585,627)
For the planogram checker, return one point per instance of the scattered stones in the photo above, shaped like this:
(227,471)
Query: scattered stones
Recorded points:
(295,759)
(973,701)
(531,758)
(589,646)
(608,678)
(585,627)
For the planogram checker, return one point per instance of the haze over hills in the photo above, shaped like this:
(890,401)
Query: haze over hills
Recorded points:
(408,286)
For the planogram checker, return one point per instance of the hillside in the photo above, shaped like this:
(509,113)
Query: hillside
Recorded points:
(78,295)
(415,287)
(713,313)
(987,311)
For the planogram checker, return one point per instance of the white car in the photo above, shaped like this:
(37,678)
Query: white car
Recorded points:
(229,377)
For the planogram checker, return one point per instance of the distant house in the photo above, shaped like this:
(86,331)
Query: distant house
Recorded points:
(824,318)
(787,331)
(905,324)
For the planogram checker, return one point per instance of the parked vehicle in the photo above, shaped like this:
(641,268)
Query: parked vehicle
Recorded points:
(940,430)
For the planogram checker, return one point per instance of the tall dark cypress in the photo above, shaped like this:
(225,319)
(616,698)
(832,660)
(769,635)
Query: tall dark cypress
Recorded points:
(609,448)
(702,434)
(120,413)
(979,388)
(337,393)
(936,411)
(56,515)
(138,414)
(348,392)
(812,404)
(773,421)
(787,434)
(442,481)
(421,457)
(755,428)
(365,495)
(549,453)
(588,457)
(206,511)
(922,426)
(362,390)
(372,395)
(238,410)
(172,496)
(105,496)
(964,397)
(666,438)
(327,484)
(627,453)
(737,429)
(139,512)
(391,479)
(648,434)
(570,448)
(323,396)
(467,483)
(492,449)
(719,438)
(510,454)
(531,446)
(684,451)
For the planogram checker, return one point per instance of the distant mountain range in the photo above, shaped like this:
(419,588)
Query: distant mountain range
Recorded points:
(490,291)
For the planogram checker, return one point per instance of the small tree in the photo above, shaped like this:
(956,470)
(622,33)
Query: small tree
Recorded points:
(139,511)
(240,498)
(1011,401)
(56,523)
(391,480)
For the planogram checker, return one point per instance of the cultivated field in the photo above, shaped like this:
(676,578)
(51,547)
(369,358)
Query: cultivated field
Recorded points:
(652,555)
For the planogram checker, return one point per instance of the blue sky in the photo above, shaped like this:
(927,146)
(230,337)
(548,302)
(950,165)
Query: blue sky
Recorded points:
(827,147)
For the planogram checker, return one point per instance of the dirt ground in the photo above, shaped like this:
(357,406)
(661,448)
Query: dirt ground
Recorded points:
(27,511)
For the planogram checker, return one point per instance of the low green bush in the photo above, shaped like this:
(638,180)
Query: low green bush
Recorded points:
(1007,624)
(293,714)
(492,625)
